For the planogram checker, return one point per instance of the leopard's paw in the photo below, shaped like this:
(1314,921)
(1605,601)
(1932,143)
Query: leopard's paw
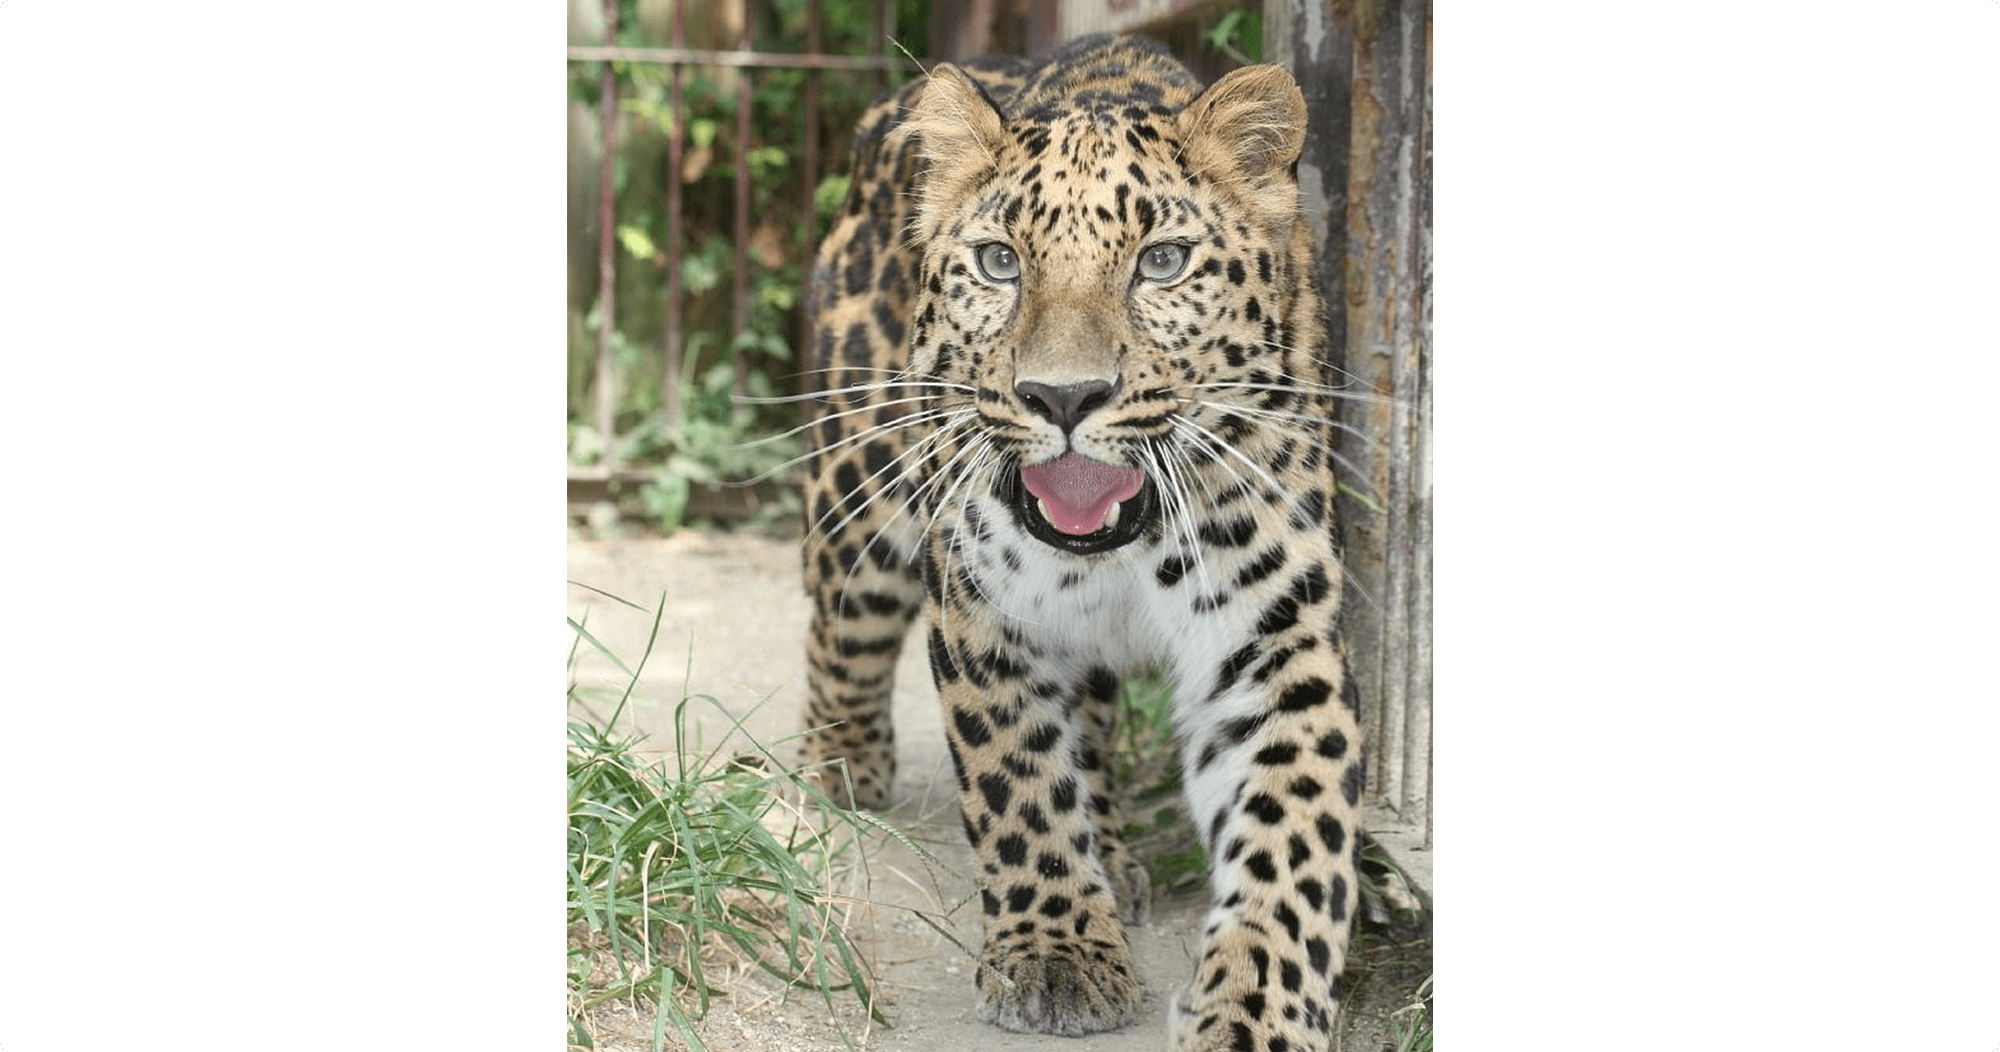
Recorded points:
(856,780)
(869,795)
(1072,988)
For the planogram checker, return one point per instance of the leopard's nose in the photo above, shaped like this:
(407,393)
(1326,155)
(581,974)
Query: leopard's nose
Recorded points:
(1065,405)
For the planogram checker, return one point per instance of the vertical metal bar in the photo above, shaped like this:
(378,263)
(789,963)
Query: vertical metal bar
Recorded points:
(607,267)
(742,268)
(673,370)
(1045,25)
(802,356)
(885,27)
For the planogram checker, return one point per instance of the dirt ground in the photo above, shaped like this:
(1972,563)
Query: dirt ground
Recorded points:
(733,627)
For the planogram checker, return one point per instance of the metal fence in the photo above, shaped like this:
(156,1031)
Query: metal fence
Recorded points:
(677,57)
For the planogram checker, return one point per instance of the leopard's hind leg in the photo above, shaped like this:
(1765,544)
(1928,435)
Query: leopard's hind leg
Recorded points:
(864,595)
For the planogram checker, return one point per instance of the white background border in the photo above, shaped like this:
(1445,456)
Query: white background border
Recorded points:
(1715,547)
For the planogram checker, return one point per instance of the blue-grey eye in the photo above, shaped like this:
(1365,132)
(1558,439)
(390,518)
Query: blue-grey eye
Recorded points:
(1162,262)
(998,262)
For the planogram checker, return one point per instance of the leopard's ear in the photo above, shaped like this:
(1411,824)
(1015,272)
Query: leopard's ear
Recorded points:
(958,131)
(954,117)
(1251,123)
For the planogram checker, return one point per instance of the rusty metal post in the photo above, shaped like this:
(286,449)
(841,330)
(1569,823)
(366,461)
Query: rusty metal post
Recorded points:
(671,395)
(607,265)
(961,29)
(742,268)
(809,183)
(885,27)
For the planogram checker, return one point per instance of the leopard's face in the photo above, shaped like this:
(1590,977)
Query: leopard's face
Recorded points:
(1106,311)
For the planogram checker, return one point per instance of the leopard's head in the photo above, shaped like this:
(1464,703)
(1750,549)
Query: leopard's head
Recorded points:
(1105,279)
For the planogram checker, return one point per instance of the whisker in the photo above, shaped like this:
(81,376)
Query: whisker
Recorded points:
(1304,390)
(816,421)
(921,446)
(1181,421)
(1186,540)
(901,507)
(1347,574)
(1208,491)
(1183,441)
(906,420)
(853,369)
(944,502)
(851,389)
(991,460)
(1315,359)
(1289,416)
(1325,447)
(944,472)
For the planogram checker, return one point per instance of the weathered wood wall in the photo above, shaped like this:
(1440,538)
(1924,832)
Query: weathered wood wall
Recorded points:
(1365,68)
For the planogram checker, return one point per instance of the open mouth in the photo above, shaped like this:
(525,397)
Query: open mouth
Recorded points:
(1079,505)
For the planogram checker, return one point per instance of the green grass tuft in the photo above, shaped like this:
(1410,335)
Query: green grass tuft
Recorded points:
(678,861)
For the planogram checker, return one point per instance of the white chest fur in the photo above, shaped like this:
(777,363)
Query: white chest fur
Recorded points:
(1108,610)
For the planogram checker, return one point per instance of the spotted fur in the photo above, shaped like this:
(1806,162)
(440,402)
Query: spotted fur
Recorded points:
(1224,570)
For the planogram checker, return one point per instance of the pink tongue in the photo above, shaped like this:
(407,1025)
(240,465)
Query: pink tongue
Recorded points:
(1079,491)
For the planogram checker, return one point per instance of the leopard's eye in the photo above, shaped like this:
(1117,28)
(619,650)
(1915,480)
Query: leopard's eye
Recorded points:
(997,262)
(1162,262)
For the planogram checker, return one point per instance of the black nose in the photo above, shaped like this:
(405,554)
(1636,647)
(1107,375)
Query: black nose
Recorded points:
(1066,405)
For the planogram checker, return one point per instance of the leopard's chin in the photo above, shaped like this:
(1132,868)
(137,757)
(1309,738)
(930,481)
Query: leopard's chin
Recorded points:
(1135,516)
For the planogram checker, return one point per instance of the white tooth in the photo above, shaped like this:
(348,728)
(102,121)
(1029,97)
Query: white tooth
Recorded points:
(1111,517)
(1044,507)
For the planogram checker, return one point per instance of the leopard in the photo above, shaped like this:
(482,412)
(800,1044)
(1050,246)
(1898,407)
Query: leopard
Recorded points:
(1073,403)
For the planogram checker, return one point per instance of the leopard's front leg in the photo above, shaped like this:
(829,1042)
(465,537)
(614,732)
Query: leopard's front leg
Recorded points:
(1055,958)
(1274,779)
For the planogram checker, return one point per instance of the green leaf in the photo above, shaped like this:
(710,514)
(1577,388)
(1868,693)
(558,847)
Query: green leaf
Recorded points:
(1240,35)
(830,194)
(1219,37)
(666,498)
(699,274)
(637,242)
(779,296)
